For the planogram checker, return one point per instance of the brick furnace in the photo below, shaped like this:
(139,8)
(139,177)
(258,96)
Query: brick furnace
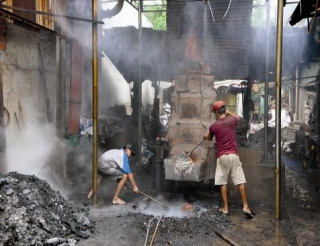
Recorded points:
(190,119)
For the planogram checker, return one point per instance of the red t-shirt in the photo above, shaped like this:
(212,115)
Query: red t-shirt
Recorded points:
(224,131)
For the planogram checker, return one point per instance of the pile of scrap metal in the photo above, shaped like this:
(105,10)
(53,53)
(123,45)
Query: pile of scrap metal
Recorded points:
(108,126)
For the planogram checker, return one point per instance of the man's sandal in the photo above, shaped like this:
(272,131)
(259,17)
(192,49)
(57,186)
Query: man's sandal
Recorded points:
(250,215)
(118,202)
(223,212)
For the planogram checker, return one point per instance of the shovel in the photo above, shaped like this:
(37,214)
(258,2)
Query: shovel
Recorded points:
(183,156)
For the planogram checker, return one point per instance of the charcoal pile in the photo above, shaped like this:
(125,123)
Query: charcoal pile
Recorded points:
(184,231)
(32,213)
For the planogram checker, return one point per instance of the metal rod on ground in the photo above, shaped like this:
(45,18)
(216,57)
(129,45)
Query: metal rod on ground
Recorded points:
(224,237)
(151,198)
(148,229)
(155,231)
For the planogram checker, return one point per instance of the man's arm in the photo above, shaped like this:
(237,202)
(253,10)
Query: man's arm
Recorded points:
(207,136)
(228,113)
(133,183)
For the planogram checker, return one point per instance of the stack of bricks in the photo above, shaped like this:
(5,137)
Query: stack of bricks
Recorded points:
(191,105)
(191,116)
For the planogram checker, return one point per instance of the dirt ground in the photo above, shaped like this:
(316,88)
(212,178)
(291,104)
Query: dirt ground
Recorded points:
(204,225)
(34,214)
(128,224)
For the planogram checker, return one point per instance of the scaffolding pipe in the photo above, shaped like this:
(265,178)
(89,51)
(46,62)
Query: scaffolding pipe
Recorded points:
(140,85)
(94,102)
(297,103)
(278,110)
(50,14)
(266,85)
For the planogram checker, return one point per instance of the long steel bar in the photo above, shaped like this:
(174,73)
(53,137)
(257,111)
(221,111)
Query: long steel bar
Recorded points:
(155,231)
(297,90)
(278,110)
(150,197)
(94,101)
(266,86)
(140,85)
(153,199)
(148,230)
(51,14)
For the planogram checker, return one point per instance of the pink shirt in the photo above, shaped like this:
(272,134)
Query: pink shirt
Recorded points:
(224,131)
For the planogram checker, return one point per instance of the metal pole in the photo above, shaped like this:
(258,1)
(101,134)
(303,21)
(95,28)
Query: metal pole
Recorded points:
(140,84)
(266,85)
(297,101)
(158,165)
(59,91)
(3,158)
(94,102)
(317,109)
(278,110)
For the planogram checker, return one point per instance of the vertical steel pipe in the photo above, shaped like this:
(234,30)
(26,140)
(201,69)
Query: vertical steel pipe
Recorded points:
(266,84)
(278,110)
(158,164)
(297,101)
(140,85)
(3,158)
(94,101)
(60,110)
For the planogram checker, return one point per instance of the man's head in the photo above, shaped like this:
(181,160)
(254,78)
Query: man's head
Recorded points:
(219,107)
(128,146)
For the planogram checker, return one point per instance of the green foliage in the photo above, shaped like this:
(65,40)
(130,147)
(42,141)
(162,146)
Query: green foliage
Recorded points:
(258,18)
(259,13)
(158,18)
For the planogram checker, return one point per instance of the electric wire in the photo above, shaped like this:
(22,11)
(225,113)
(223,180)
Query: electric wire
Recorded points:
(227,9)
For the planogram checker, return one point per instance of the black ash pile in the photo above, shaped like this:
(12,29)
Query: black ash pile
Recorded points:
(189,230)
(32,213)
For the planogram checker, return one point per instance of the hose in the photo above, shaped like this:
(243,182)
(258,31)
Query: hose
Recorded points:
(227,9)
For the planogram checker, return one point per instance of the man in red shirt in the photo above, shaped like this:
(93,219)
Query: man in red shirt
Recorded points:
(228,161)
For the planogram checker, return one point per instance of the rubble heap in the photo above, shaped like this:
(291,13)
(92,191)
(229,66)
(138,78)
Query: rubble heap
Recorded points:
(192,230)
(32,213)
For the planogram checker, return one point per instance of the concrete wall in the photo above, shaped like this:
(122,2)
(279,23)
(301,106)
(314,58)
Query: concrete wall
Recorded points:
(21,74)
(30,138)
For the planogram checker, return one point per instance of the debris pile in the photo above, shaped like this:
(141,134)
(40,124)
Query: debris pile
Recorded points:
(173,230)
(32,213)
